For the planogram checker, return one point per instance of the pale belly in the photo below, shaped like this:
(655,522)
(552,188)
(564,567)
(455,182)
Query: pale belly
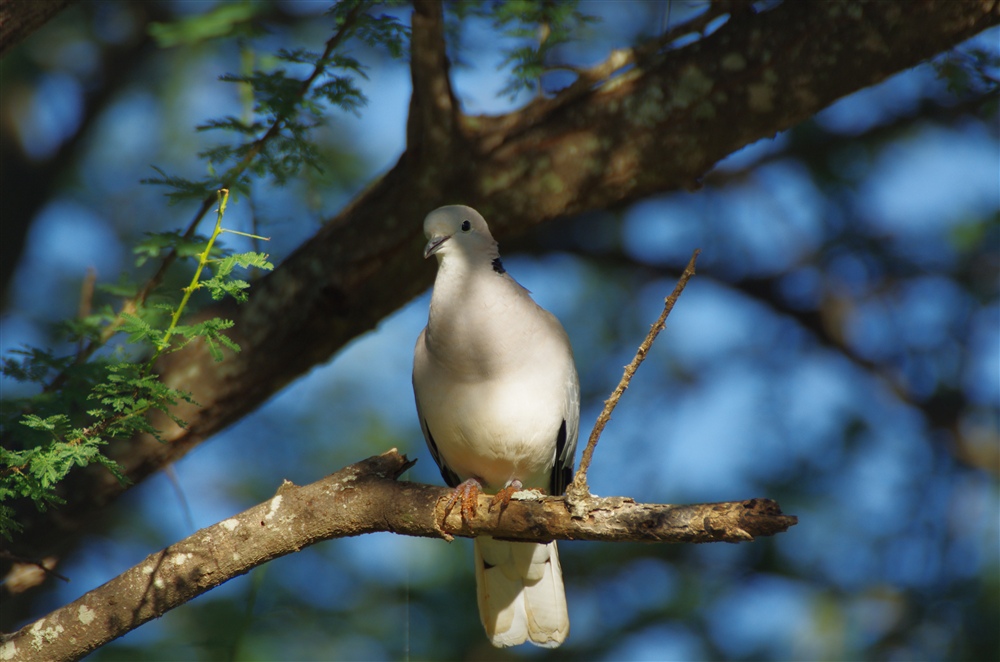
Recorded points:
(498,434)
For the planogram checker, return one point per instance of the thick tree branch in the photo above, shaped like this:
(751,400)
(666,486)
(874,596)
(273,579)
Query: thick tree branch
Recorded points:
(431,126)
(362,498)
(657,127)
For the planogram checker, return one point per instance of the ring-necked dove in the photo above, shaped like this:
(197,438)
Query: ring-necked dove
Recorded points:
(499,404)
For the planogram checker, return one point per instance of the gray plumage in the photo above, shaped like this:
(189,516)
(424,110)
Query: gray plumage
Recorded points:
(499,400)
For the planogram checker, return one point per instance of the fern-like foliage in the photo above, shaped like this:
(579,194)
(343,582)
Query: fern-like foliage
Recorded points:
(222,284)
(538,27)
(87,398)
(274,140)
(210,331)
(84,400)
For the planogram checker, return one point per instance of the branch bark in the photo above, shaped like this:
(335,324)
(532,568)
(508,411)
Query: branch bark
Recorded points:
(658,127)
(362,498)
(19,18)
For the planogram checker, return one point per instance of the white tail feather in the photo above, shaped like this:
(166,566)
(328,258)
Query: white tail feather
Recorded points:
(520,591)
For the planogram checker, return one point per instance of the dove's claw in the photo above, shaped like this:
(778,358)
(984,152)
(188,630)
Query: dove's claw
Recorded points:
(466,496)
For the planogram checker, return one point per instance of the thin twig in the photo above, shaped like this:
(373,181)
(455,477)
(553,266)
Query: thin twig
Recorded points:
(86,303)
(222,195)
(175,483)
(578,488)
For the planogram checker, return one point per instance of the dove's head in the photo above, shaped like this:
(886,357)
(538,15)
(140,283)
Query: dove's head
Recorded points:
(457,229)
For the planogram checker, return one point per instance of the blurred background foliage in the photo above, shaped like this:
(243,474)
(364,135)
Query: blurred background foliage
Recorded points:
(839,350)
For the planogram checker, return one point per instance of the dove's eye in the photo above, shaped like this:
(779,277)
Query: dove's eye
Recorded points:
(466,226)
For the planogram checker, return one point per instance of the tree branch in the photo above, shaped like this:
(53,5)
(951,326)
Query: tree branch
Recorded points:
(655,128)
(362,498)
(432,123)
(19,18)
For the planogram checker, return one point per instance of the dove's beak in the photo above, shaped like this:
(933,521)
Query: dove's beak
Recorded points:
(434,245)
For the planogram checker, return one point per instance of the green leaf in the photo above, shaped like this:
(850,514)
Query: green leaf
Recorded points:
(220,284)
(383,31)
(230,123)
(226,19)
(184,189)
(35,365)
(341,91)
(211,332)
(55,423)
(139,330)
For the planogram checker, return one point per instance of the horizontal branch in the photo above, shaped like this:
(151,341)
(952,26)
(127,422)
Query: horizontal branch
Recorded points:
(363,498)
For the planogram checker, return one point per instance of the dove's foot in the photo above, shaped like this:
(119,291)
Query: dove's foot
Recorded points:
(466,496)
